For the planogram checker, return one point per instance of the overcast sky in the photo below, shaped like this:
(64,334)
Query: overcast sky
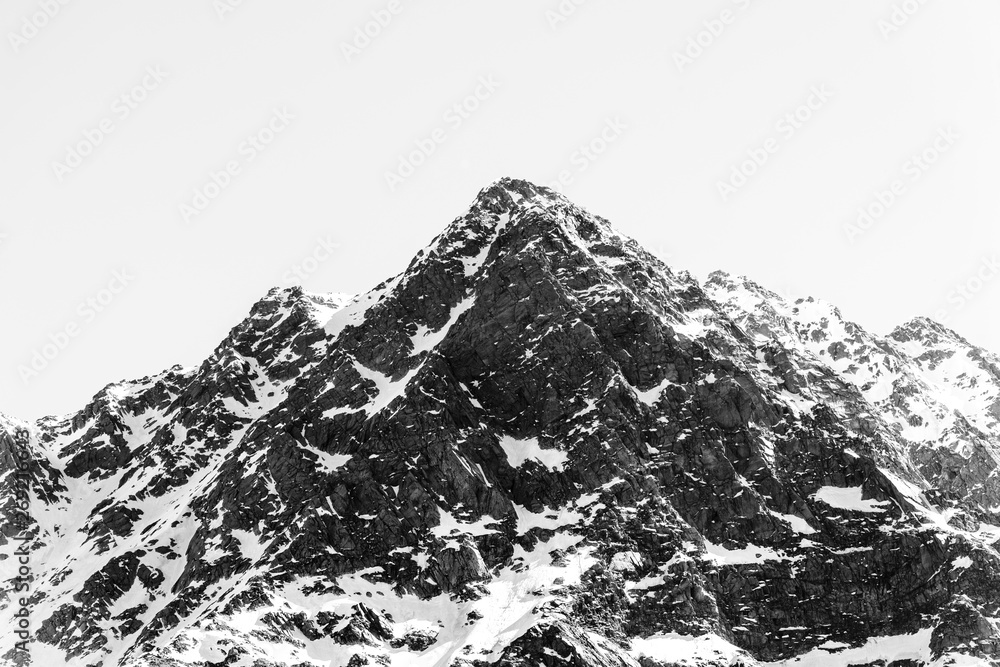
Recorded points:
(163,164)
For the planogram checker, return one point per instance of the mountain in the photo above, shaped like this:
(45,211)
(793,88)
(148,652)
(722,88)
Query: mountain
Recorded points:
(537,445)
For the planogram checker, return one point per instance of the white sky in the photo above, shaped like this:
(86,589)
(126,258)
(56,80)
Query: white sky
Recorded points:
(677,131)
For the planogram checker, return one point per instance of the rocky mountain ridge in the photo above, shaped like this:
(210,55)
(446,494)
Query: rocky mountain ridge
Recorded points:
(537,445)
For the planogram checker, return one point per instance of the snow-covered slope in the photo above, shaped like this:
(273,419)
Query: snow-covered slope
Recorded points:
(925,388)
(537,445)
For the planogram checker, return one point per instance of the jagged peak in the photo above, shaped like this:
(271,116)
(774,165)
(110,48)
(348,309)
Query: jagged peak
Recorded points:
(925,329)
(726,280)
(819,308)
(510,220)
(506,194)
(519,203)
(512,208)
(287,296)
(921,325)
(8,423)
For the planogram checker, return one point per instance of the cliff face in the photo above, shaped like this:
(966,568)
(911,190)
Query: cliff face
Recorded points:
(537,445)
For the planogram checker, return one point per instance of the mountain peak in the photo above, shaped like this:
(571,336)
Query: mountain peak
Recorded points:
(925,329)
(725,281)
(513,213)
(505,194)
(534,445)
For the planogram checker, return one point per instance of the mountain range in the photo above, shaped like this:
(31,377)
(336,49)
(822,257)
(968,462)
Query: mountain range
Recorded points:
(536,445)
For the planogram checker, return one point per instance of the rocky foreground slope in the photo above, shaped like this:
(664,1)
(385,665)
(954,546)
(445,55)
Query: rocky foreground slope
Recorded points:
(537,445)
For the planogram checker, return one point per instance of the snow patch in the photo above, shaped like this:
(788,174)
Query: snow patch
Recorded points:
(694,650)
(849,498)
(750,554)
(521,451)
(626,561)
(548,519)
(961,563)
(250,546)
(450,525)
(888,648)
(329,463)
(798,524)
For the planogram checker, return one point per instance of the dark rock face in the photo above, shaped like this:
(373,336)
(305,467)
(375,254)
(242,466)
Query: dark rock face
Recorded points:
(535,446)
